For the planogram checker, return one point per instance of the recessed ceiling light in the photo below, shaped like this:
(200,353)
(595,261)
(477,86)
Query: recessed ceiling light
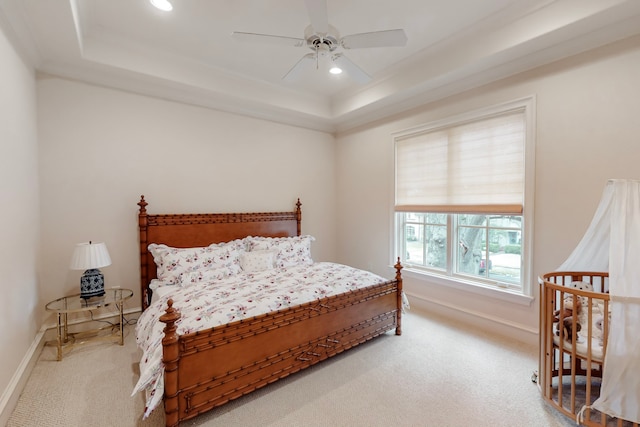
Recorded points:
(162,5)
(335,70)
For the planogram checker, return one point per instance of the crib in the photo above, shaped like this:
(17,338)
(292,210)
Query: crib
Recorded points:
(574,325)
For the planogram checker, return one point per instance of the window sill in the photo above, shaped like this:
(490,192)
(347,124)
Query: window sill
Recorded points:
(470,286)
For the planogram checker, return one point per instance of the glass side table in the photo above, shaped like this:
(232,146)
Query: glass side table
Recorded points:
(74,304)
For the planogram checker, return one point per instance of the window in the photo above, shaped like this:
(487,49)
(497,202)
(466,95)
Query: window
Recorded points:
(488,249)
(461,197)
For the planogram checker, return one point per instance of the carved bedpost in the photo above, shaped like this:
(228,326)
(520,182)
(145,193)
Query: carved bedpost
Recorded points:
(144,278)
(299,215)
(170,358)
(398,267)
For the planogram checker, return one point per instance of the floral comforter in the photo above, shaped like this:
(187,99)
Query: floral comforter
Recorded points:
(233,298)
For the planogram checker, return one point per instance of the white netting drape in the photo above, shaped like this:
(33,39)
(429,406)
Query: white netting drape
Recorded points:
(612,243)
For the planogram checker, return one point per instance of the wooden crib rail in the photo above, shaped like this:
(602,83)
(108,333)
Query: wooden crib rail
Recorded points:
(570,372)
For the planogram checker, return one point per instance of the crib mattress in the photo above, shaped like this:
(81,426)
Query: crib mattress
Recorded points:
(582,346)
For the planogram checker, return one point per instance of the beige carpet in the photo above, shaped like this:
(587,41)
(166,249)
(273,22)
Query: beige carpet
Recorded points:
(438,373)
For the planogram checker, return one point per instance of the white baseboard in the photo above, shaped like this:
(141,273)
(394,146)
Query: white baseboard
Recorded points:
(497,325)
(10,396)
(20,376)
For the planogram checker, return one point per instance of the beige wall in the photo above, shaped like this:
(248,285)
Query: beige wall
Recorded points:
(587,132)
(100,149)
(20,317)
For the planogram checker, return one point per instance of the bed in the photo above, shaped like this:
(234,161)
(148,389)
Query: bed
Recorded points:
(205,361)
(574,328)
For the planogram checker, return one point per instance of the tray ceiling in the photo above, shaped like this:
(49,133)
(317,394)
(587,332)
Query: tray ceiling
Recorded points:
(188,54)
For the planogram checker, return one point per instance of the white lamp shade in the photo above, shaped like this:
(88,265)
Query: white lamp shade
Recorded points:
(90,255)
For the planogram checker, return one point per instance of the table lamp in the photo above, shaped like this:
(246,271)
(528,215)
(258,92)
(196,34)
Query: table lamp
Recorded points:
(90,257)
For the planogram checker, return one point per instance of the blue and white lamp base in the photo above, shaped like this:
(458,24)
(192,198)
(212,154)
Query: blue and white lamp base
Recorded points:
(91,284)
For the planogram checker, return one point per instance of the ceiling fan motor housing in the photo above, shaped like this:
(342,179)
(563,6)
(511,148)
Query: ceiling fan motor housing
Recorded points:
(322,43)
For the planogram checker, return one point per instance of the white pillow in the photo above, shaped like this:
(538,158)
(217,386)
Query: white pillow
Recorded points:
(291,251)
(172,263)
(256,261)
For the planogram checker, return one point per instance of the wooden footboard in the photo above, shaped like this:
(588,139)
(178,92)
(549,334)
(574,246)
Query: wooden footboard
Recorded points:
(207,369)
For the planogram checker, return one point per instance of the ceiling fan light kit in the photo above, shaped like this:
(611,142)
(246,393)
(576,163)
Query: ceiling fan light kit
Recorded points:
(162,5)
(324,39)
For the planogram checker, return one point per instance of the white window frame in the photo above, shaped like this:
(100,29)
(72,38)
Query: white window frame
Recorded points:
(524,295)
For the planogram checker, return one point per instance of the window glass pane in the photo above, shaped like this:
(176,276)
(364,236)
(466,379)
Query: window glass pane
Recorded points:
(472,235)
(472,244)
(425,239)
(465,219)
(436,218)
(505,221)
(414,217)
(414,243)
(505,256)
(436,246)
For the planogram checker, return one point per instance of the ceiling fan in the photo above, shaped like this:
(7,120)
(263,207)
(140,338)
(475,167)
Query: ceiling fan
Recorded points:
(324,40)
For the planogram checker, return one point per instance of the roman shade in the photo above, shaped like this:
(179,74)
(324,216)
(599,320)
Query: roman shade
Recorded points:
(471,167)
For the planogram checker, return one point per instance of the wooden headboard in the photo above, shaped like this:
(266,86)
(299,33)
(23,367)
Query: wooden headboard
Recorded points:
(194,230)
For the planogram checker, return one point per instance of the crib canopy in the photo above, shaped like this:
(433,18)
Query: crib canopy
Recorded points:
(612,243)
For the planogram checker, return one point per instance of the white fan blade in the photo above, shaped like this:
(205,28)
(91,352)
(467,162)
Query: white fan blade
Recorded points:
(317,10)
(355,72)
(387,38)
(268,39)
(300,66)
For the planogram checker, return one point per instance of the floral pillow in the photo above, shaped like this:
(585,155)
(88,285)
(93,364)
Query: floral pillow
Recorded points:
(172,263)
(259,260)
(290,251)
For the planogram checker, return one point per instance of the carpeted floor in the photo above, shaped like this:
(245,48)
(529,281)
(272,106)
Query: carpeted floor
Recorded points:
(438,373)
